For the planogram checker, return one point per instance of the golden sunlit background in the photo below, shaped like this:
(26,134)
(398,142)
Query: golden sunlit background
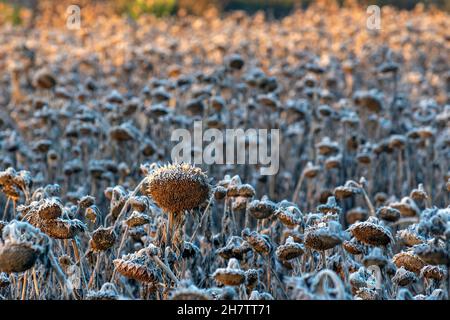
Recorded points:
(352,100)
(20,11)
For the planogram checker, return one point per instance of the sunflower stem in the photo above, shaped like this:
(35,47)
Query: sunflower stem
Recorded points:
(125,206)
(24,285)
(35,283)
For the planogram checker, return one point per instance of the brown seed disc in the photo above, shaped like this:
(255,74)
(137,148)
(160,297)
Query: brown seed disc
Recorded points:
(409,261)
(135,269)
(49,209)
(388,214)
(409,237)
(62,228)
(404,277)
(229,277)
(370,233)
(321,239)
(176,188)
(433,272)
(289,251)
(261,209)
(103,239)
(16,257)
(405,209)
(137,219)
(352,247)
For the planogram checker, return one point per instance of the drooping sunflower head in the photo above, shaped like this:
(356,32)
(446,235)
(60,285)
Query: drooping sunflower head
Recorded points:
(178,187)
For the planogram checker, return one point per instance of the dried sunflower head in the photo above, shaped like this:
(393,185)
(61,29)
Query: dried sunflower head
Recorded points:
(419,194)
(294,233)
(371,233)
(252,277)
(21,246)
(403,277)
(346,191)
(65,261)
(139,204)
(17,257)
(371,100)
(409,261)
(380,197)
(321,238)
(330,207)
(60,228)
(7,177)
(388,214)
(220,192)
(259,243)
(236,189)
(289,250)
(433,272)
(236,247)
(124,132)
(289,216)
(118,198)
(353,246)
(86,201)
(49,209)
(92,213)
(178,187)
(190,292)
(138,266)
(410,237)
(364,157)
(407,207)
(327,147)
(103,239)
(246,191)
(434,221)
(137,219)
(108,291)
(311,171)
(261,209)
(232,275)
